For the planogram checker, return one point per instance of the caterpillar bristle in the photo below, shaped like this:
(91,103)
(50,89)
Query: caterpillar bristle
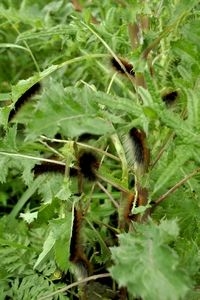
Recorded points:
(126,67)
(142,198)
(88,165)
(128,207)
(136,150)
(23,99)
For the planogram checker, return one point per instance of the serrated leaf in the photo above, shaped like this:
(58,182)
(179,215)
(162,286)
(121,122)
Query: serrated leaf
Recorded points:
(61,252)
(4,168)
(61,230)
(193,109)
(71,111)
(177,124)
(65,192)
(51,186)
(26,196)
(146,96)
(28,216)
(183,154)
(9,142)
(147,266)
(169,230)
(47,247)
(140,209)
(48,211)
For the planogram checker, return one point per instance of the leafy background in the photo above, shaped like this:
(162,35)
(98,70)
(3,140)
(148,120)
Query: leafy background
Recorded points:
(68,51)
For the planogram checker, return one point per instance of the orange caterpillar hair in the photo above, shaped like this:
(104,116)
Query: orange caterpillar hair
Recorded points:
(142,200)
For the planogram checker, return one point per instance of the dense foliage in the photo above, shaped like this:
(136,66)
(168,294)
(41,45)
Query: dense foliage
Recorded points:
(67,47)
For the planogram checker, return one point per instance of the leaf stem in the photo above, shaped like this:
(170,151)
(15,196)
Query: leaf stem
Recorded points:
(175,187)
(82,145)
(116,205)
(32,157)
(90,278)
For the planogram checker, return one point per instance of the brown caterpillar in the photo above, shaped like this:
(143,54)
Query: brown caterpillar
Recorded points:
(126,67)
(88,164)
(138,155)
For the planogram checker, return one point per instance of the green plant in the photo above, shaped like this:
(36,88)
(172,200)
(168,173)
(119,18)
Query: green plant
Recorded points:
(150,251)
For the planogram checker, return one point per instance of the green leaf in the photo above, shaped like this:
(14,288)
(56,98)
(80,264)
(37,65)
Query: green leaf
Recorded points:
(26,196)
(51,186)
(47,247)
(65,192)
(61,229)
(140,209)
(183,154)
(193,109)
(28,216)
(147,266)
(71,111)
(4,168)
(145,96)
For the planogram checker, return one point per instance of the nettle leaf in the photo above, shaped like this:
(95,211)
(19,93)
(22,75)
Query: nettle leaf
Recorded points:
(27,175)
(48,211)
(145,96)
(181,8)
(175,122)
(70,111)
(119,104)
(32,286)
(4,168)
(191,31)
(183,153)
(28,216)
(9,141)
(61,229)
(147,266)
(65,192)
(47,247)
(51,187)
(17,162)
(38,182)
(193,109)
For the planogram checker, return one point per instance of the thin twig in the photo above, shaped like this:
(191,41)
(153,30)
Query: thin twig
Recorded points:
(51,148)
(113,183)
(32,157)
(82,145)
(175,187)
(108,194)
(163,148)
(111,82)
(93,277)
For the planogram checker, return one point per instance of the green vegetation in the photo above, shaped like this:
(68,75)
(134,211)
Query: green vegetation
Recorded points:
(152,251)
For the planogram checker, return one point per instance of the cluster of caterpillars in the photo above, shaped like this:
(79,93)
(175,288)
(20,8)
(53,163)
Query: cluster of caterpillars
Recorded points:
(138,158)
